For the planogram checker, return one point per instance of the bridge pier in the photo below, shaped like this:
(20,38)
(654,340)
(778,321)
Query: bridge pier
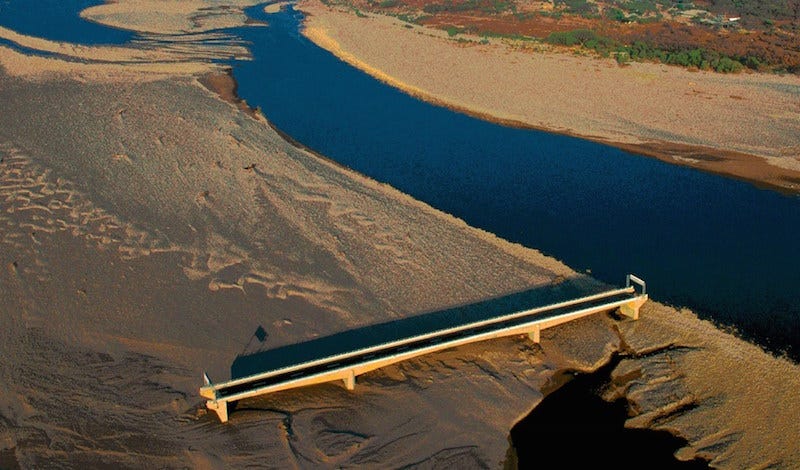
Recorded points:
(350,380)
(220,407)
(535,334)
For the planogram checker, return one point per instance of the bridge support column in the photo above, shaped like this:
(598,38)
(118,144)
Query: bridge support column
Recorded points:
(631,309)
(535,335)
(220,407)
(350,380)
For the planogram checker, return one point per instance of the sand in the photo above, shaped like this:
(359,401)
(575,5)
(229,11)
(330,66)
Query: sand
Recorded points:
(143,247)
(149,227)
(173,38)
(175,17)
(746,126)
(728,398)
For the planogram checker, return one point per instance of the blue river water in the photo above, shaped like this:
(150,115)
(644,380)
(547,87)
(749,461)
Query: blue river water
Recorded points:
(58,20)
(722,247)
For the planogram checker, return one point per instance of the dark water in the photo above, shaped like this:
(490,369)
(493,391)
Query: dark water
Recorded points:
(575,428)
(58,20)
(722,247)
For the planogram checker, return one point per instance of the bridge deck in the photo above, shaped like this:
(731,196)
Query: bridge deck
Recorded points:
(319,367)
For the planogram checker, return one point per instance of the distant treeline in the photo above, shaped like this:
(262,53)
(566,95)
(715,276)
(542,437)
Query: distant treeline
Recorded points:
(763,10)
(640,51)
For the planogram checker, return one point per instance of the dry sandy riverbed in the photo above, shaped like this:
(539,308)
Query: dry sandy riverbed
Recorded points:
(745,126)
(148,227)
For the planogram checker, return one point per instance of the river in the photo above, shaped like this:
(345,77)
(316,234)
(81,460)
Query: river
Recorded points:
(721,247)
(58,20)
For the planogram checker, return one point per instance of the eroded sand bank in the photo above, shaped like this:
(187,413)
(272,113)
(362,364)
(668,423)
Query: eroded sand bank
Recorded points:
(746,125)
(148,229)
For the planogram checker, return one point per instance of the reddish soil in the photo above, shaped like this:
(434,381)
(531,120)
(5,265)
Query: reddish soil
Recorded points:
(223,84)
(777,46)
(539,26)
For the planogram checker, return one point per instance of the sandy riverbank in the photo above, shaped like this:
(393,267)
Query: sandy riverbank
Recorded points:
(173,38)
(149,227)
(746,126)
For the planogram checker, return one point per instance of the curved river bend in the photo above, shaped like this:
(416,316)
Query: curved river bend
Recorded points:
(722,247)
(719,246)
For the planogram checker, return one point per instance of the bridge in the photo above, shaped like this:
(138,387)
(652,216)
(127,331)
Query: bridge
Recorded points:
(320,363)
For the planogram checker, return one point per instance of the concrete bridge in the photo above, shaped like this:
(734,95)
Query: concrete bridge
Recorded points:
(322,366)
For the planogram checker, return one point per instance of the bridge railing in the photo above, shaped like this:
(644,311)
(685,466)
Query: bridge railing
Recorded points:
(633,279)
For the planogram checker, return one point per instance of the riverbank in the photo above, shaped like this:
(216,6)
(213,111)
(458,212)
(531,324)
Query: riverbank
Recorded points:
(744,126)
(149,228)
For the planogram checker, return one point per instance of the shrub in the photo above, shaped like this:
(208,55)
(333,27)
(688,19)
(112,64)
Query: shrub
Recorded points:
(616,14)
(580,7)
(752,62)
(638,7)
(640,50)
(583,37)
(728,65)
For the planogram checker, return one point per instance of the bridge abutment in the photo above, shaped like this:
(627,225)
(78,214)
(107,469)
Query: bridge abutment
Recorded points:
(631,309)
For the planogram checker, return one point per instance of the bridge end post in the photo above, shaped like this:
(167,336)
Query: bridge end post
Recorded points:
(220,407)
(350,380)
(631,309)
